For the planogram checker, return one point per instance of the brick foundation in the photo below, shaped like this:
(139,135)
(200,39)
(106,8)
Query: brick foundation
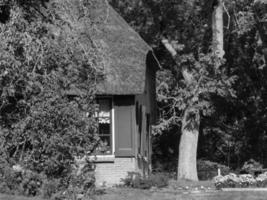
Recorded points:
(111,173)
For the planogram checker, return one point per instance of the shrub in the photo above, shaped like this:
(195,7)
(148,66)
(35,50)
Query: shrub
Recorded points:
(9,180)
(47,89)
(262,180)
(135,180)
(250,167)
(50,188)
(159,180)
(80,183)
(23,182)
(17,180)
(231,180)
(207,170)
(241,181)
(45,115)
(82,179)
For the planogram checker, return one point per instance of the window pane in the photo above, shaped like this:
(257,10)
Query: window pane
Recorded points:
(104,120)
(104,114)
(104,105)
(105,140)
(104,128)
(104,108)
(105,145)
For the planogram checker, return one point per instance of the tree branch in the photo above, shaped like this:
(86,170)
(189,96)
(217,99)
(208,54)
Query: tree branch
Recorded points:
(187,75)
(169,47)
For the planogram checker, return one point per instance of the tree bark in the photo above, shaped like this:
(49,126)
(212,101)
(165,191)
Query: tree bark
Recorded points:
(217,29)
(187,162)
(260,6)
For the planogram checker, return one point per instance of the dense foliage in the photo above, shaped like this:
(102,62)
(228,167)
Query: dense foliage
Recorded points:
(232,130)
(48,77)
(207,170)
(239,134)
(49,68)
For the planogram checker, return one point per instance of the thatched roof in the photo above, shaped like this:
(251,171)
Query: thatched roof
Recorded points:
(126,52)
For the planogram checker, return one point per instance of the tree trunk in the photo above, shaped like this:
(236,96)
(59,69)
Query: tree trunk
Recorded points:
(260,6)
(217,29)
(187,163)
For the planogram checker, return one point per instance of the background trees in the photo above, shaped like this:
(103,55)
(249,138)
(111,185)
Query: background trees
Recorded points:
(232,130)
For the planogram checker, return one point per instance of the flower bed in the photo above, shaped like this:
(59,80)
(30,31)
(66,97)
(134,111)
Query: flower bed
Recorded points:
(240,181)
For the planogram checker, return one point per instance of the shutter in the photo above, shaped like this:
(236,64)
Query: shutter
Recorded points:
(137,113)
(124,119)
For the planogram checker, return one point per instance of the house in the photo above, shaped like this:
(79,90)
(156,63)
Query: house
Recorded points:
(127,102)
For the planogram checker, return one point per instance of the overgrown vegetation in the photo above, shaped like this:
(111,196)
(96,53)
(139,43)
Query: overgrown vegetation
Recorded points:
(207,170)
(241,181)
(233,130)
(135,180)
(251,167)
(49,68)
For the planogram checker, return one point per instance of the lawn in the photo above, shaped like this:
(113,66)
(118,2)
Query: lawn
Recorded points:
(130,194)
(9,197)
(136,194)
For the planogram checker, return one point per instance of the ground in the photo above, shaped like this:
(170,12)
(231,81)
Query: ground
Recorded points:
(175,191)
(9,197)
(132,194)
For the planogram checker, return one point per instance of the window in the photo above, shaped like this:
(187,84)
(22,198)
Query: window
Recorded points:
(104,116)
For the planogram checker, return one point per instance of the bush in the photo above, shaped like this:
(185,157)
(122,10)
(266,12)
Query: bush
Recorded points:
(241,181)
(251,167)
(23,182)
(47,87)
(82,180)
(262,180)
(207,170)
(159,180)
(50,188)
(135,180)
(17,180)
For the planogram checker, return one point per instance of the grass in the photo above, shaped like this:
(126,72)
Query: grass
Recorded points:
(182,190)
(132,194)
(226,196)
(12,197)
(191,184)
